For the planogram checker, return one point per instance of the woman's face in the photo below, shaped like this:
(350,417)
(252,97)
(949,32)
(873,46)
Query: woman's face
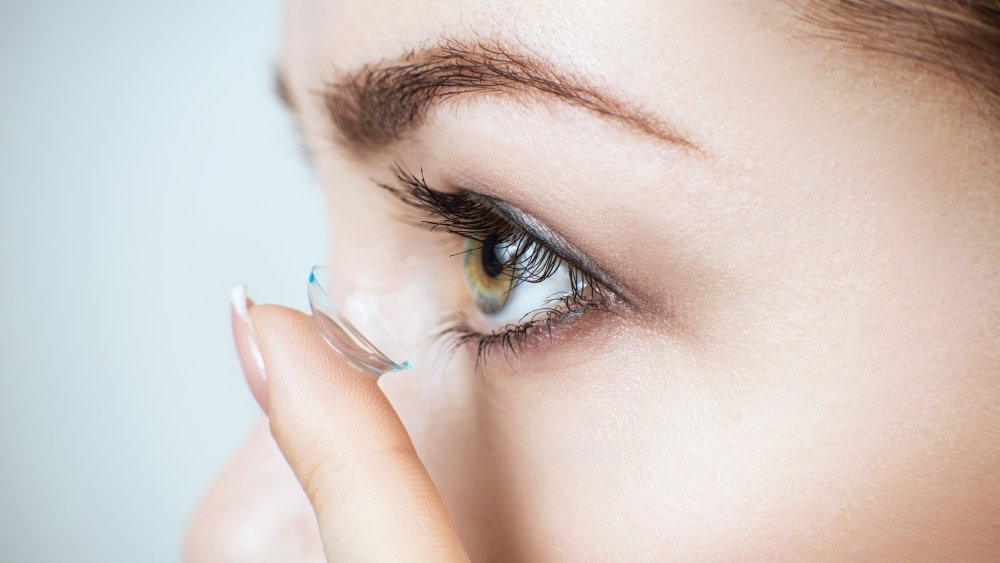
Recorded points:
(786,254)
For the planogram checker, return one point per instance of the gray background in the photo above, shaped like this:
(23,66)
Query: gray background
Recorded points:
(145,169)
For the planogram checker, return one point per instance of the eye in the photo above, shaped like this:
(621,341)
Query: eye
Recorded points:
(518,283)
(495,273)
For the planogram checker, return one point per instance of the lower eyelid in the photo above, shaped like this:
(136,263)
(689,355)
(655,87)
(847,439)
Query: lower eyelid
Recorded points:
(571,327)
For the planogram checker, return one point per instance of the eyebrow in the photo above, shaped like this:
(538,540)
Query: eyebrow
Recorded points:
(380,103)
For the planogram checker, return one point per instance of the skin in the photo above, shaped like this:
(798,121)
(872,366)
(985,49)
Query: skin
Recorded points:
(813,373)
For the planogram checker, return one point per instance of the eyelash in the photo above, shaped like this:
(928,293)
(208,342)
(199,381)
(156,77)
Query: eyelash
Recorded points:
(471,216)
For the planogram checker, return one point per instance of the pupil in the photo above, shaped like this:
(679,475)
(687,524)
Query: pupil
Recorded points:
(492,264)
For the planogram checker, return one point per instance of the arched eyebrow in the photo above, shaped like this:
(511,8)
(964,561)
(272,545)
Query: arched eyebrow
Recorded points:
(378,104)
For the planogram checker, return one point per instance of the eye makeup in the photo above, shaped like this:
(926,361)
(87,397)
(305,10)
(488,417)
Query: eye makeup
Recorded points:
(507,251)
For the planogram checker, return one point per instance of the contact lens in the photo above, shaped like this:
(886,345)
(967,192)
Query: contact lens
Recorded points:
(349,322)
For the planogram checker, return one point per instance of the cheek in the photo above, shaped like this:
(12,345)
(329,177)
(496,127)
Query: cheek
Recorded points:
(686,453)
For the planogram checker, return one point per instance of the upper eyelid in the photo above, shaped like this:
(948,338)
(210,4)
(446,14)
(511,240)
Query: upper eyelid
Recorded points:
(557,244)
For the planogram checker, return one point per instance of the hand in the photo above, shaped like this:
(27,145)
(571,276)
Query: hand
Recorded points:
(372,497)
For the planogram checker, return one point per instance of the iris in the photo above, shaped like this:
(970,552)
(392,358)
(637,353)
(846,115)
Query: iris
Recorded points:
(489,276)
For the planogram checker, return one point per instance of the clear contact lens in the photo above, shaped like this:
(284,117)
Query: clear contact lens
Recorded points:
(349,322)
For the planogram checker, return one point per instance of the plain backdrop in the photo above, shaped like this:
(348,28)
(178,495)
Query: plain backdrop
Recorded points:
(146,167)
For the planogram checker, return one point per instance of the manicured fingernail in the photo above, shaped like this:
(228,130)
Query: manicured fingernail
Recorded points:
(251,360)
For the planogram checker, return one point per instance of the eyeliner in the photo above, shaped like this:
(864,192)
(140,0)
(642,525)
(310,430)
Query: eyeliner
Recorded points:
(554,241)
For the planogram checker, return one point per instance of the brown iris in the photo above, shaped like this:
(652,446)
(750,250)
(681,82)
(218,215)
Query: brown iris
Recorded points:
(487,273)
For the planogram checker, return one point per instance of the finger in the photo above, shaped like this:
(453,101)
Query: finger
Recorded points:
(372,496)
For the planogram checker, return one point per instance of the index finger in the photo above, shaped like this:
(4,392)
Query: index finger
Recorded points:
(373,498)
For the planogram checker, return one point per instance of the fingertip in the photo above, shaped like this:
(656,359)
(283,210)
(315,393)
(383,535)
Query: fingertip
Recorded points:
(277,317)
(308,382)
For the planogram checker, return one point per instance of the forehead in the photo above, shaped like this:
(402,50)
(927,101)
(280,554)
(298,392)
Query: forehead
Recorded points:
(751,82)
(662,50)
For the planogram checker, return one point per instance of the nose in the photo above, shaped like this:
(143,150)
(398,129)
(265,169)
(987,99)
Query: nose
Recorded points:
(255,511)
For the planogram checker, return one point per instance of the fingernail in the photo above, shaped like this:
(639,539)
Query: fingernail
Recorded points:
(251,360)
